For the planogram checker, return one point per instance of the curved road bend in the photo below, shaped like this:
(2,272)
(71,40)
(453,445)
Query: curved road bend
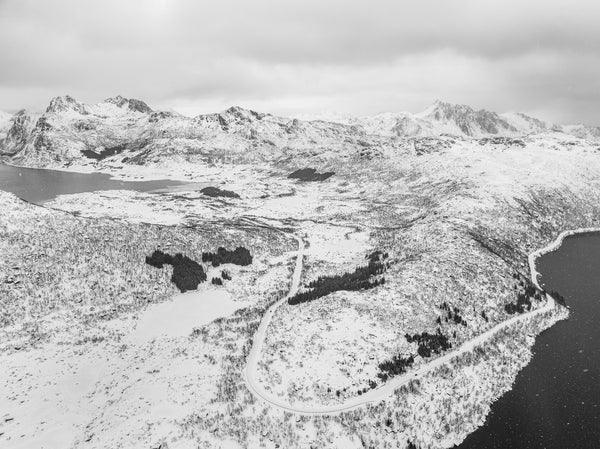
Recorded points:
(372,396)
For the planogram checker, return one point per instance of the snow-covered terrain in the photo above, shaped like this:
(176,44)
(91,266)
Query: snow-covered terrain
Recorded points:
(5,124)
(456,198)
(121,131)
(453,119)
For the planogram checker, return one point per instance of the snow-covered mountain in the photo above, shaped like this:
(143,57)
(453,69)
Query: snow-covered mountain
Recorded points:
(5,124)
(70,132)
(456,120)
(121,130)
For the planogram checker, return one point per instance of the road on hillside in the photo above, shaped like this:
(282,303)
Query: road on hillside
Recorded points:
(376,395)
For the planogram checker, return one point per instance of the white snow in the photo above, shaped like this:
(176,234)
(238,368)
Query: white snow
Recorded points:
(177,318)
(5,123)
(104,394)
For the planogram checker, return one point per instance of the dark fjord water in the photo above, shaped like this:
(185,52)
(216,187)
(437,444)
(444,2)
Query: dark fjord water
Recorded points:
(555,401)
(39,185)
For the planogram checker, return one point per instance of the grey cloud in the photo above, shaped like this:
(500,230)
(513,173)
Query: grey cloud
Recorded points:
(360,57)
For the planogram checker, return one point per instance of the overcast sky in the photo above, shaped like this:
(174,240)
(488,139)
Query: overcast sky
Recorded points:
(289,57)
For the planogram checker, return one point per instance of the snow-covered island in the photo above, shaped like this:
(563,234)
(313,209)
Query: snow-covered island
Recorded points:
(388,301)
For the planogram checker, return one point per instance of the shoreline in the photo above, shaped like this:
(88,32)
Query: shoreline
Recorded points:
(387,390)
(553,246)
(115,174)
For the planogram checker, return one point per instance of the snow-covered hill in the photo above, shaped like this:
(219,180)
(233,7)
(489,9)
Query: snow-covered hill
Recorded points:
(127,131)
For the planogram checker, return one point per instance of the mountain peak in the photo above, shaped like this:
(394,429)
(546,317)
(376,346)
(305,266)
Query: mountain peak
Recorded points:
(129,103)
(462,119)
(244,113)
(442,109)
(65,103)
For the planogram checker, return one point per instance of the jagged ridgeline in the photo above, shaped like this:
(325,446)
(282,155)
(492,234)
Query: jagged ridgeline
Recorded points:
(128,131)
(360,279)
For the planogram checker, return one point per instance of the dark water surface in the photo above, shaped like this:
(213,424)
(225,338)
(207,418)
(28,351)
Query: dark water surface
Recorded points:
(555,402)
(39,185)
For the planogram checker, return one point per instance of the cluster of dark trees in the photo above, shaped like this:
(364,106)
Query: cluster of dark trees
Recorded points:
(187,273)
(239,256)
(377,256)
(225,276)
(453,315)
(372,385)
(310,174)
(338,392)
(359,279)
(394,367)
(216,192)
(524,299)
(429,343)
(558,297)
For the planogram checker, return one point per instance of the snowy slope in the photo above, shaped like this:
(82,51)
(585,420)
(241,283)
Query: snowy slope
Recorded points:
(5,123)
(454,119)
(127,131)
(457,120)
(526,124)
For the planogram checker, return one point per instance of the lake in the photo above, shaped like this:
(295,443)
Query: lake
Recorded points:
(40,185)
(555,401)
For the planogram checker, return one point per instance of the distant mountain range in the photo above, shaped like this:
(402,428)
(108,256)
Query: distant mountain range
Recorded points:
(121,130)
(456,120)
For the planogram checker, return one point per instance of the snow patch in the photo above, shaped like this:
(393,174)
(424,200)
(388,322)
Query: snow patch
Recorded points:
(177,318)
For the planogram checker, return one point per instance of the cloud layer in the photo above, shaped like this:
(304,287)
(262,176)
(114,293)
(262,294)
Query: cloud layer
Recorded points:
(306,56)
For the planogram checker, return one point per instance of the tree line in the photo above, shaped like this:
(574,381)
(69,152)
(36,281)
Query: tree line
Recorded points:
(239,256)
(558,297)
(395,366)
(359,279)
(524,299)
(453,314)
(187,273)
(429,343)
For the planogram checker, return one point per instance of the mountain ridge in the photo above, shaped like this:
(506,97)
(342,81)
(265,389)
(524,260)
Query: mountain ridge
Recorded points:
(71,132)
(454,119)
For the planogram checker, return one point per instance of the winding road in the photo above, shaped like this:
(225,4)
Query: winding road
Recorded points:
(375,395)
